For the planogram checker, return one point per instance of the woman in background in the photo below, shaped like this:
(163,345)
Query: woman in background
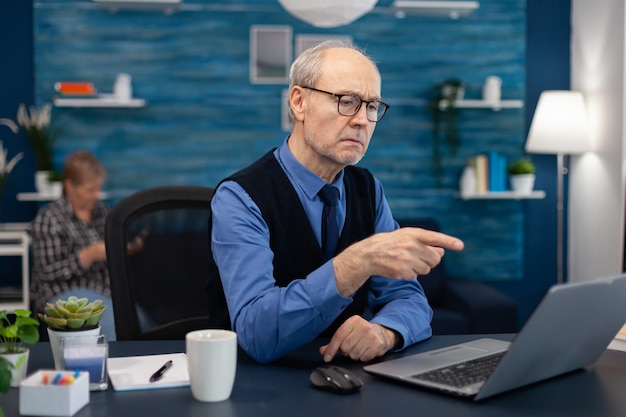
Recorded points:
(69,256)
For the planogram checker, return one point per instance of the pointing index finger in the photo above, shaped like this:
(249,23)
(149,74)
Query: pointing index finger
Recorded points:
(439,239)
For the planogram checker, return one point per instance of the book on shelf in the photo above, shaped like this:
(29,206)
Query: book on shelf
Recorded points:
(75,88)
(490,172)
(497,171)
(482,174)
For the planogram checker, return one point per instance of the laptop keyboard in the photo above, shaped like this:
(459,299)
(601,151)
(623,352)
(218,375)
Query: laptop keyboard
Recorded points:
(463,374)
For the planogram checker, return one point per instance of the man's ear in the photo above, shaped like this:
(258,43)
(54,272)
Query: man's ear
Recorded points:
(67,184)
(297,102)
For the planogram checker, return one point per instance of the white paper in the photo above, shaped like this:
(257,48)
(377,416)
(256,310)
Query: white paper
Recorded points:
(132,373)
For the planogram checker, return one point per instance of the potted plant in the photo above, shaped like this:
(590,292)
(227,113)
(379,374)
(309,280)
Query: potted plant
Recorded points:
(522,175)
(72,317)
(55,182)
(444,112)
(36,122)
(15,330)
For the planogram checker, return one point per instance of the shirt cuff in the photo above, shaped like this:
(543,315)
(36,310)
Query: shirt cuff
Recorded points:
(322,289)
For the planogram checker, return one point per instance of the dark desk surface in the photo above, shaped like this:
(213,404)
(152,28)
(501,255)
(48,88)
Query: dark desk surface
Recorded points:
(282,389)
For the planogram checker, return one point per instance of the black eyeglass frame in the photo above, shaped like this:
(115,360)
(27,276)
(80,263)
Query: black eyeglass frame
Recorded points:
(356,110)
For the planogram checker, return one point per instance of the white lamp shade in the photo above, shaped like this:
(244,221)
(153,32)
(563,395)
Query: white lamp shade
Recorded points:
(328,13)
(560,124)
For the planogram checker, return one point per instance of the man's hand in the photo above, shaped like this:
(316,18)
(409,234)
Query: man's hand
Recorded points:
(360,340)
(402,254)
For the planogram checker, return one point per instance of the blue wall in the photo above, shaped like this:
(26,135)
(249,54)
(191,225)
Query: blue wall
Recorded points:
(16,86)
(548,58)
(204,118)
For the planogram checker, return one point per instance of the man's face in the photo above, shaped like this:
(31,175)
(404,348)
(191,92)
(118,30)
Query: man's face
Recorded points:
(337,138)
(83,195)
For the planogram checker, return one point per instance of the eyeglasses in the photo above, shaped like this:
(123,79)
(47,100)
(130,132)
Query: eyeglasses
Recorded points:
(349,105)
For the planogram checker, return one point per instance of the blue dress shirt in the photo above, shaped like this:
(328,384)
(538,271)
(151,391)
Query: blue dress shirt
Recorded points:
(272,321)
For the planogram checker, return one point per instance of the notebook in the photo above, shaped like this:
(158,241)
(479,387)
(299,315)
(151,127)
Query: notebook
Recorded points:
(133,373)
(570,329)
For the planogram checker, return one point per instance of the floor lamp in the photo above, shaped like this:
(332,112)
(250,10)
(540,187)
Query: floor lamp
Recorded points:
(559,127)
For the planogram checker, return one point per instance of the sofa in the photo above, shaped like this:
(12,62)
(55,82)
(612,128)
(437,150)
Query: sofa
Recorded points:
(464,306)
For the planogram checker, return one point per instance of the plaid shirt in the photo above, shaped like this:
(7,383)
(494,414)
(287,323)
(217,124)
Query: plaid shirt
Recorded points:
(57,237)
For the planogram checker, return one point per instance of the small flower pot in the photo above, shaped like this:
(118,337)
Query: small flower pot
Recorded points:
(522,184)
(55,338)
(42,185)
(20,364)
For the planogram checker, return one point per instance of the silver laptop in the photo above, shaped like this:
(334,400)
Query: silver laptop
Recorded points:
(570,329)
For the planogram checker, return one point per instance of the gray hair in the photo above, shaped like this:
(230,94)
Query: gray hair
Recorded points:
(305,70)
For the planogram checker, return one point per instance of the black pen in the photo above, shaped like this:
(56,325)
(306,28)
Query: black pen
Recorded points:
(162,370)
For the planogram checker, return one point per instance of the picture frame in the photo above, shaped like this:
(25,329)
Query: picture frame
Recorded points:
(270,54)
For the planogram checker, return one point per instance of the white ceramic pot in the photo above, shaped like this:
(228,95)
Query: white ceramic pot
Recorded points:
(19,360)
(55,188)
(522,184)
(42,185)
(492,89)
(55,337)
(468,181)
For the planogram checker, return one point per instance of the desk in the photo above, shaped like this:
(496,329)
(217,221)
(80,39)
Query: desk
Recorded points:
(282,389)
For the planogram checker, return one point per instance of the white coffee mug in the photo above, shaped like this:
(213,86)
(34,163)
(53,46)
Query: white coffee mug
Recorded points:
(212,361)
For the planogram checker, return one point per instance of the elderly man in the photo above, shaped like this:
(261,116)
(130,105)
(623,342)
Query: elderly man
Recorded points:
(286,278)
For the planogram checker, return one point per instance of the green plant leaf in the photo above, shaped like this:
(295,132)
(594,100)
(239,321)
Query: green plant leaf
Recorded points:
(55,321)
(75,323)
(521,166)
(5,374)
(72,306)
(28,334)
(51,311)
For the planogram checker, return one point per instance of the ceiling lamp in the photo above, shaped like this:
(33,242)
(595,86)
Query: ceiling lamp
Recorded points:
(328,13)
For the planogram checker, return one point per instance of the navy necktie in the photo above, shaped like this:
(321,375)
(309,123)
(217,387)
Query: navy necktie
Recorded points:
(330,229)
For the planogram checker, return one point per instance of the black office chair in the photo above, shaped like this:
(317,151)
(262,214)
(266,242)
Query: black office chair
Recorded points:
(157,243)
(464,306)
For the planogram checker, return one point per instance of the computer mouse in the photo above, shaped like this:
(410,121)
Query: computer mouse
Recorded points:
(335,379)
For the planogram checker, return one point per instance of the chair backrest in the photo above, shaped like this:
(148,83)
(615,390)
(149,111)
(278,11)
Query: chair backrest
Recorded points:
(158,251)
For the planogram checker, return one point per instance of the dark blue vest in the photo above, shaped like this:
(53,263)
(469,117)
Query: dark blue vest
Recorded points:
(296,250)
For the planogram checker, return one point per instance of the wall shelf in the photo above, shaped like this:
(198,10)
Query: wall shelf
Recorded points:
(49,196)
(166,6)
(504,195)
(102,100)
(482,104)
(452,9)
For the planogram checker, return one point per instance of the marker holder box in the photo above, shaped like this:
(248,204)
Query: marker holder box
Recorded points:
(39,396)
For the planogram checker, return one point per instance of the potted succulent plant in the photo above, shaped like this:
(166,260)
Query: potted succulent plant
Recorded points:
(15,330)
(72,317)
(522,175)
